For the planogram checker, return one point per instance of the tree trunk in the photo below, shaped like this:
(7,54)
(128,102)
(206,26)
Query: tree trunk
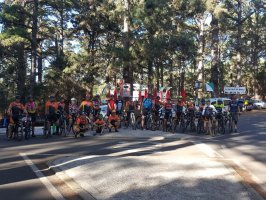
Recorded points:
(239,44)
(40,66)
(21,70)
(34,45)
(161,74)
(127,70)
(200,57)
(214,55)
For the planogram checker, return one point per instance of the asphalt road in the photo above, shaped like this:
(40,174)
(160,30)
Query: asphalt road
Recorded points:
(19,181)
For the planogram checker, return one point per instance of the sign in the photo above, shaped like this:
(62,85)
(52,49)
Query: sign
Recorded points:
(235,90)
(126,90)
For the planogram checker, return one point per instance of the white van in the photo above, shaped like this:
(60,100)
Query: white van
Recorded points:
(225,101)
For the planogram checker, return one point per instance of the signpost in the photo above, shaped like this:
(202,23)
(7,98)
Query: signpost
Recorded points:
(235,90)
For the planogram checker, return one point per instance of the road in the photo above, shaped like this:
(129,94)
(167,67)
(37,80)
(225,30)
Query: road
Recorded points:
(243,152)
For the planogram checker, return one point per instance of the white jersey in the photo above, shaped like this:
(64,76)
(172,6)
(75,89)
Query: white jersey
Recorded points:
(210,106)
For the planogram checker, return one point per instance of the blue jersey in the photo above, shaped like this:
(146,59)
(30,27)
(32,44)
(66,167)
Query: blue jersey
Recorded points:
(233,105)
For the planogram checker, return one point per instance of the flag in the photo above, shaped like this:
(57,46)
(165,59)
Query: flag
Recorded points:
(155,93)
(209,87)
(183,94)
(115,94)
(140,97)
(146,93)
(168,94)
(161,95)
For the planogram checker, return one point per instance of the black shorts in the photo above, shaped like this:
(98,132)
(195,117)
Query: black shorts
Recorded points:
(33,117)
(167,114)
(52,118)
(145,112)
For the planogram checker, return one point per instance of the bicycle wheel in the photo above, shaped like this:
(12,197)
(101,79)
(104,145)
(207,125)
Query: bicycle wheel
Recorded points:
(230,126)
(192,126)
(138,122)
(20,132)
(63,127)
(199,127)
(132,121)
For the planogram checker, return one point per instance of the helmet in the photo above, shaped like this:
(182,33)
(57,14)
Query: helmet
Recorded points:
(18,97)
(180,97)
(51,97)
(220,101)
(190,103)
(30,97)
(202,100)
(73,99)
(113,111)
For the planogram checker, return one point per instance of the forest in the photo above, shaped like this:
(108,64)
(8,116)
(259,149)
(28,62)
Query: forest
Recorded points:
(68,47)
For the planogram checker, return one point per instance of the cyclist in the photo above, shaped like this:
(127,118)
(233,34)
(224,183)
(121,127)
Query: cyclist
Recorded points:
(51,108)
(111,105)
(31,108)
(73,110)
(96,106)
(202,105)
(167,111)
(207,114)
(157,104)
(219,106)
(114,121)
(179,108)
(234,111)
(15,110)
(86,105)
(129,108)
(99,124)
(146,108)
(119,105)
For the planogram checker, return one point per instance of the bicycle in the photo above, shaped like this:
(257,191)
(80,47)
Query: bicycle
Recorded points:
(62,123)
(220,120)
(131,120)
(190,117)
(200,124)
(19,130)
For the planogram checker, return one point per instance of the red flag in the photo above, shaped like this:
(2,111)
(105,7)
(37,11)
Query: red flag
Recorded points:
(155,93)
(140,97)
(115,94)
(146,94)
(108,94)
(183,94)
(161,95)
(168,94)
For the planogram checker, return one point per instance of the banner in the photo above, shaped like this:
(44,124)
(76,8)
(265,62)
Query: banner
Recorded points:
(235,90)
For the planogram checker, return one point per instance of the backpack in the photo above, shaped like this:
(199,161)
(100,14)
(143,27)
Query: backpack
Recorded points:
(147,104)
(208,112)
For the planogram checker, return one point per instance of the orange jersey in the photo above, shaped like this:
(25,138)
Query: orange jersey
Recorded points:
(115,118)
(16,107)
(51,107)
(99,122)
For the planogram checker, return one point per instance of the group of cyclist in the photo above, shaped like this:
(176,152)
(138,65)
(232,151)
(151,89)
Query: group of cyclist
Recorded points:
(89,112)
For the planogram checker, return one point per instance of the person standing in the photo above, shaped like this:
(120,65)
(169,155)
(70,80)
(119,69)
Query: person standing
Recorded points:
(31,108)
(234,111)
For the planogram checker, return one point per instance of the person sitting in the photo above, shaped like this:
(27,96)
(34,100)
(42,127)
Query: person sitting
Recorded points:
(114,121)
(81,125)
(99,124)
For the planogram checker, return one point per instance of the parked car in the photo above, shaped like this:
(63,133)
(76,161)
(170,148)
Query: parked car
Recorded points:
(225,101)
(259,104)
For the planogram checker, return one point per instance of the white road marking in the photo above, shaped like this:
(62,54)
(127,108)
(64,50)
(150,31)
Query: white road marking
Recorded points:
(54,192)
